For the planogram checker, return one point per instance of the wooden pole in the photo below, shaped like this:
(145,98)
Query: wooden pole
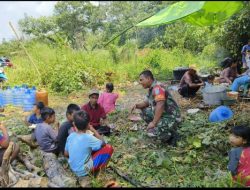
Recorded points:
(24,48)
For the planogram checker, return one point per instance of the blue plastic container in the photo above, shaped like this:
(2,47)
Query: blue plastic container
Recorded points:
(1,98)
(14,95)
(19,97)
(33,91)
(22,92)
(221,113)
(8,96)
(28,101)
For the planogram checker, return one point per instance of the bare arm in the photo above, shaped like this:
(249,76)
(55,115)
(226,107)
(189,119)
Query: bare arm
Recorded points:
(140,106)
(6,141)
(191,84)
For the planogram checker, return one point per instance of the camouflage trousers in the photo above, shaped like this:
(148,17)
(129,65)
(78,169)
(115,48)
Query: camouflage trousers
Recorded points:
(166,129)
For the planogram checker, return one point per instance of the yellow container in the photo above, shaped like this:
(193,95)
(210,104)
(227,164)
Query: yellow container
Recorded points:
(42,96)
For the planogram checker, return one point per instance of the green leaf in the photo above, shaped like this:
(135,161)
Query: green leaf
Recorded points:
(197,143)
(159,162)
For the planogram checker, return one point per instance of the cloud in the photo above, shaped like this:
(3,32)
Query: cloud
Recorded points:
(14,11)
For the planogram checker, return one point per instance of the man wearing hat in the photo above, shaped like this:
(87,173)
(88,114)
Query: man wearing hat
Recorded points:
(96,113)
(190,83)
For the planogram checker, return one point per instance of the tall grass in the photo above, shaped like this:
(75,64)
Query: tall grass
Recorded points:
(64,70)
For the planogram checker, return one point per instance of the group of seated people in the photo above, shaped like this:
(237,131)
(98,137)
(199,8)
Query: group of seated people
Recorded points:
(77,138)
(190,82)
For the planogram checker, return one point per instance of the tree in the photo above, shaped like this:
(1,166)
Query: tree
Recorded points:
(236,32)
(38,27)
(73,18)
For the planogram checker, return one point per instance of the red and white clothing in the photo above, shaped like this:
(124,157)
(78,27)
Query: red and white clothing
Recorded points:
(239,164)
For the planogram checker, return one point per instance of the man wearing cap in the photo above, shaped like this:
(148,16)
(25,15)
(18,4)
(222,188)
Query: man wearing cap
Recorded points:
(96,112)
(159,110)
(190,83)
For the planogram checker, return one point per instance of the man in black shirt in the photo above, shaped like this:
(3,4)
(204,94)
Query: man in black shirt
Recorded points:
(67,127)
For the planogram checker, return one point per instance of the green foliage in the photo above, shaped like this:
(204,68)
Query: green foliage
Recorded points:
(64,70)
(37,26)
(199,160)
(236,32)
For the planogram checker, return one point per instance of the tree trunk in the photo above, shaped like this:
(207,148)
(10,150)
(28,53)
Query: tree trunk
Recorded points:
(4,170)
(28,140)
(58,176)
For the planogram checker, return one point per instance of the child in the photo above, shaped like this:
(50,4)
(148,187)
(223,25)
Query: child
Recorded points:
(96,113)
(67,127)
(4,143)
(86,152)
(45,136)
(239,156)
(107,99)
(210,81)
(35,118)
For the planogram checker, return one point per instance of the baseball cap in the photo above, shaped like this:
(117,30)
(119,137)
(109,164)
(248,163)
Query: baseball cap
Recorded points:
(93,91)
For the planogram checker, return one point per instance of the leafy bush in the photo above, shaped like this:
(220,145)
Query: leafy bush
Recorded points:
(64,70)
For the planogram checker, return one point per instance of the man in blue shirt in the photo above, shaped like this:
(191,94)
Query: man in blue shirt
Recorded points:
(243,52)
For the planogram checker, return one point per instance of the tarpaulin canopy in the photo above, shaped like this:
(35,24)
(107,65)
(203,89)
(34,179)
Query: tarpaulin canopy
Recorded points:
(201,13)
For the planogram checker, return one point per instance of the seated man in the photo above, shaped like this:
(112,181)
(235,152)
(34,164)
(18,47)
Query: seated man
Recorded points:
(4,143)
(96,113)
(229,74)
(190,83)
(242,80)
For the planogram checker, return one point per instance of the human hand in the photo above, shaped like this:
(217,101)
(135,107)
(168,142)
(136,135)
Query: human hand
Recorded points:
(91,128)
(151,125)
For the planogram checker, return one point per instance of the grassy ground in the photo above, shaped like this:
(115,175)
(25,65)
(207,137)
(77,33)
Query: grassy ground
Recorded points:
(199,160)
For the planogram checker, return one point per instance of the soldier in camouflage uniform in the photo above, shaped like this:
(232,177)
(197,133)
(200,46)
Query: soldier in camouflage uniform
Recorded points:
(159,110)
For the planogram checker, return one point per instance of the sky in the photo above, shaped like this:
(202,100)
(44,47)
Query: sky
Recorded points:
(12,11)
